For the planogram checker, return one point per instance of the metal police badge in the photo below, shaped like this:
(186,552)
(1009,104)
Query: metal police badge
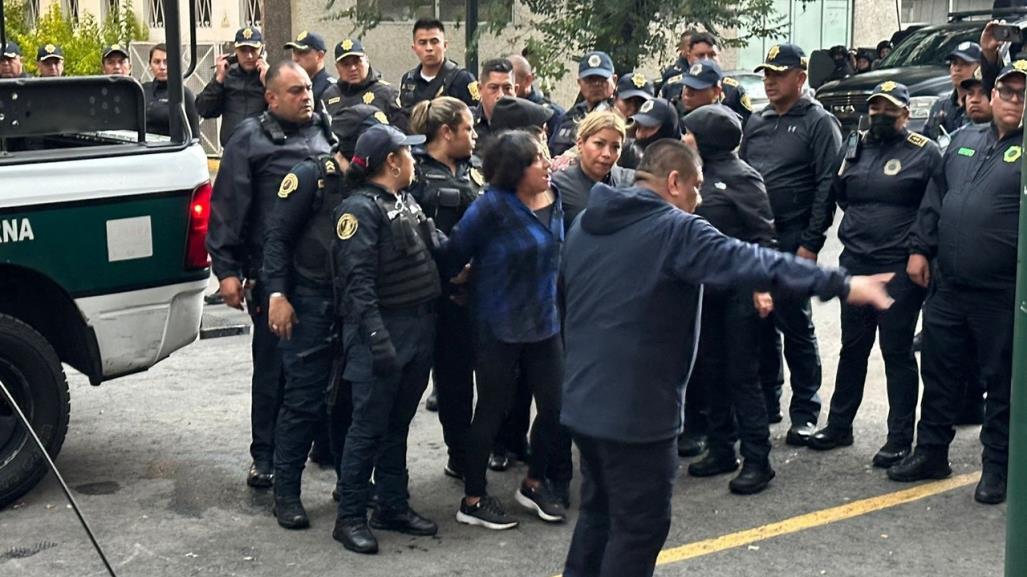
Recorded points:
(302,36)
(368,97)
(475,93)
(247,33)
(594,61)
(888,86)
(892,167)
(1020,65)
(696,69)
(347,44)
(347,226)
(50,48)
(646,106)
(289,185)
(773,52)
(638,80)
(1013,153)
(380,117)
(476,176)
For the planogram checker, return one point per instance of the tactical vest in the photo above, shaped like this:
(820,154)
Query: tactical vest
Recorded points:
(407,275)
(312,256)
(447,196)
(410,93)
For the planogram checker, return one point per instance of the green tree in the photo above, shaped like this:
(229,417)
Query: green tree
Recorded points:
(81,41)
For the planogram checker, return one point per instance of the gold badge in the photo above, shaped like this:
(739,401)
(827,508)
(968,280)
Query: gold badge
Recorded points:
(247,33)
(888,86)
(347,44)
(638,80)
(1020,65)
(804,62)
(302,36)
(329,166)
(594,61)
(472,88)
(696,69)
(728,81)
(368,98)
(476,176)
(289,185)
(773,52)
(917,140)
(347,226)
(333,100)
(380,117)
(746,103)
(50,48)
(1013,153)
(892,167)
(646,106)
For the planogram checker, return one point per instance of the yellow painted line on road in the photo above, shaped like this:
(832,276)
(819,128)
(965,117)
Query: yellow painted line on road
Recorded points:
(814,519)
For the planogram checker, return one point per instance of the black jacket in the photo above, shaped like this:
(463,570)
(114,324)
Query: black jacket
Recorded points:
(632,270)
(250,178)
(158,119)
(575,186)
(968,221)
(947,113)
(734,93)
(374,91)
(240,97)
(798,154)
(451,81)
(321,81)
(880,193)
(734,199)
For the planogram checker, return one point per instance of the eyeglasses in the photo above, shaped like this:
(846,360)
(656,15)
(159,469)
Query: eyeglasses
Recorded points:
(1010,95)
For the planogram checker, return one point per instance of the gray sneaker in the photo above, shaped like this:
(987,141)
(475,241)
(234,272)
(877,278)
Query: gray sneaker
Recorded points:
(487,512)
(542,501)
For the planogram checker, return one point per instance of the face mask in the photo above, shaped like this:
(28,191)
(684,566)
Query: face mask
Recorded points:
(882,126)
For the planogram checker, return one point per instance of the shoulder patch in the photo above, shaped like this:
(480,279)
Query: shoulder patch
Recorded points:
(1012,154)
(289,185)
(476,176)
(383,83)
(474,91)
(347,226)
(333,100)
(729,81)
(673,79)
(745,102)
(917,140)
(368,97)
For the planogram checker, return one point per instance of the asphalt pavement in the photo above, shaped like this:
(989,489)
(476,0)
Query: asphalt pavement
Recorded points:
(158,461)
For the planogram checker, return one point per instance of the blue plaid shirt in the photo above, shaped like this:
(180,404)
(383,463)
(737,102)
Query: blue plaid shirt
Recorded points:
(516,261)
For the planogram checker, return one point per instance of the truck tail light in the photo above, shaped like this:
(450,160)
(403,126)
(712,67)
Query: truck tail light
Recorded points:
(196,237)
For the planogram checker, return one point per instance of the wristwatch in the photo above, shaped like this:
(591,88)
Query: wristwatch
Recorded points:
(277,295)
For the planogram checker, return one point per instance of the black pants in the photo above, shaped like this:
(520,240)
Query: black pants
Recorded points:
(956,318)
(454,375)
(268,381)
(513,434)
(728,363)
(860,325)
(625,507)
(497,363)
(794,319)
(308,364)
(383,406)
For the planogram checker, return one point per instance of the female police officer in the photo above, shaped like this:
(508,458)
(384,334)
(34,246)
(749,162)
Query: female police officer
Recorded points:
(880,186)
(384,266)
(446,185)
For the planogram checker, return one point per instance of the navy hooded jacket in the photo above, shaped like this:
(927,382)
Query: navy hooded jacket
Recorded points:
(632,269)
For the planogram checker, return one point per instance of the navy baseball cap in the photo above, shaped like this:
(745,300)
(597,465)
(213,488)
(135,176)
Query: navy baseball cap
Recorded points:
(967,52)
(249,36)
(595,64)
(635,85)
(702,75)
(375,144)
(11,50)
(307,41)
(349,124)
(1017,67)
(975,79)
(512,113)
(49,51)
(783,57)
(116,48)
(893,92)
(655,112)
(349,47)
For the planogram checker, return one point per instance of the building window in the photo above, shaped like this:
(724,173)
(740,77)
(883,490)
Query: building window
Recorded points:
(155,13)
(251,13)
(70,8)
(109,8)
(32,13)
(445,10)
(203,12)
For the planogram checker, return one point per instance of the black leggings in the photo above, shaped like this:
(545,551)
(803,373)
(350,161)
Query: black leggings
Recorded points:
(496,369)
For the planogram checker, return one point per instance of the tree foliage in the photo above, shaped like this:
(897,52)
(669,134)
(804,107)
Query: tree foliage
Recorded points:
(81,41)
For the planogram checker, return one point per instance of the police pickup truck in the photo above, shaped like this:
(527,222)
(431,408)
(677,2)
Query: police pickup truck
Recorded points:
(102,259)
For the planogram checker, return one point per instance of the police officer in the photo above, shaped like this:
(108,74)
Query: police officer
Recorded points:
(948,114)
(633,91)
(50,61)
(968,224)
(703,46)
(880,187)
(681,64)
(115,60)
(308,50)
(795,144)
(258,156)
(360,84)
(237,90)
(702,84)
(734,201)
(390,283)
(446,183)
(497,81)
(158,113)
(597,84)
(524,77)
(435,75)
(10,61)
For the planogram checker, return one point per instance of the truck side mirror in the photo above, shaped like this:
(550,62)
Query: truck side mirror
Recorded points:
(820,68)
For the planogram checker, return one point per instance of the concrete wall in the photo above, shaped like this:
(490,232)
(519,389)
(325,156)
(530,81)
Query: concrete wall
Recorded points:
(873,21)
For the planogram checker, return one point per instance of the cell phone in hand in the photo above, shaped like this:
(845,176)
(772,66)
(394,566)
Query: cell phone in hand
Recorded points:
(1007,33)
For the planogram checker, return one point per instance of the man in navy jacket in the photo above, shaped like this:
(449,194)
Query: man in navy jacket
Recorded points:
(633,269)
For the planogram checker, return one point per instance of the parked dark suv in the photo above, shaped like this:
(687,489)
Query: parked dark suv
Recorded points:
(918,62)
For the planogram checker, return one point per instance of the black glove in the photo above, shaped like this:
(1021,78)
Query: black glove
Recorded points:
(383,354)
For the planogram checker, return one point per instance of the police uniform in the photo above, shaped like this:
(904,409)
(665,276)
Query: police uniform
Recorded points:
(948,114)
(566,135)
(797,153)
(880,189)
(320,80)
(158,113)
(390,284)
(734,95)
(968,225)
(257,157)
(541,99)
(239,96)
(451,80)
(444,197)
(297,268)
(372,90)
(634,85)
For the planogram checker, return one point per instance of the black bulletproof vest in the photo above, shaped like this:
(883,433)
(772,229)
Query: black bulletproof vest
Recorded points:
(407,275)
(446,196)
(311,259)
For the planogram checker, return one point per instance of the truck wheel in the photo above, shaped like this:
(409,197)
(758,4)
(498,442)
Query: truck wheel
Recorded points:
(31,371)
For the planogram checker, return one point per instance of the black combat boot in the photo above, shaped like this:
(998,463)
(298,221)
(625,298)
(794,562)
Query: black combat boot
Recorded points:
(922,464)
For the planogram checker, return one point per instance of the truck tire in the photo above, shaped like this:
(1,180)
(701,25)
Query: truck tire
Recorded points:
(31,371)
